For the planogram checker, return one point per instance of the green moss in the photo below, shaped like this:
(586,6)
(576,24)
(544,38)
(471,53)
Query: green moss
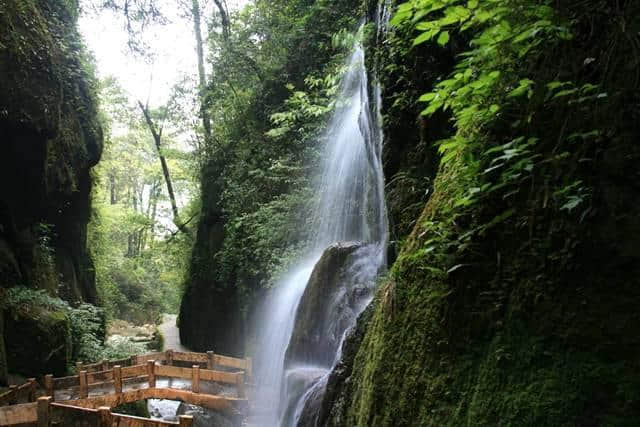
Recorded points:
(512,309)
(38,341)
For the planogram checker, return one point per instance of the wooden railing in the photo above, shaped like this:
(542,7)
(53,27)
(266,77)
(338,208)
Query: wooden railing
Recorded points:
(210,360)
(17,393)
(113,384)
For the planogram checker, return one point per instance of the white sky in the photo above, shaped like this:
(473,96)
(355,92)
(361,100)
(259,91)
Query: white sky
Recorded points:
(173,45)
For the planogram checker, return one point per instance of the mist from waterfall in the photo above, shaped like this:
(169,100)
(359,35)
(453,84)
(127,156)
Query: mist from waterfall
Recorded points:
(350,208)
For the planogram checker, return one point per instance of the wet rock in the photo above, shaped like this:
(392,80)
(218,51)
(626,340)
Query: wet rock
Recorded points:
(340,284)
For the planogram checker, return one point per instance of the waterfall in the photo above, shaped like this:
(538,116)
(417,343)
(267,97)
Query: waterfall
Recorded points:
(349,208)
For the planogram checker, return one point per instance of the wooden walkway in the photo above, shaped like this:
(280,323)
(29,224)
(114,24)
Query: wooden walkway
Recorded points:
(87,398)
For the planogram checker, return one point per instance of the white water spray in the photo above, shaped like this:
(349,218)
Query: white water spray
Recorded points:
(350,207)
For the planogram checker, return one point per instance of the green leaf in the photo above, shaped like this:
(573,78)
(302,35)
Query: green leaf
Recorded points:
(443,38)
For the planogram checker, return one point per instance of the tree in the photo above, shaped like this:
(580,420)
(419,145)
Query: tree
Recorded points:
(157,139)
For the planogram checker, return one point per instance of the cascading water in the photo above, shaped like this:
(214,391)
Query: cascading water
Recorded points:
(350,208)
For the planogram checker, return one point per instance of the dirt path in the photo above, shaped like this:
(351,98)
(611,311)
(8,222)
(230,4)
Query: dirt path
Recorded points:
(171,333)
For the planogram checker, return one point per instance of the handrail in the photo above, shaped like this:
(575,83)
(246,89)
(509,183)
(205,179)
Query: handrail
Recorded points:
(209,358)
(96,407)
(26,391)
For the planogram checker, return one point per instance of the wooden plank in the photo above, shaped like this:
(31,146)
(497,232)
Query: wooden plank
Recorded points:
(117,379)
(104,416)
(195,379)
(99,376)
(151,373)
(18,414)
(66,382)
(173,371)
(43,410)
(48,384)
(92,367)
(97,386)
(218,376)
(84,390)
(157,356)
(134,371)
(135,380)
(191,357)
(230,362)
(230,405)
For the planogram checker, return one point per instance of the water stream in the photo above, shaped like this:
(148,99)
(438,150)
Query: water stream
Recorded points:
(350,208)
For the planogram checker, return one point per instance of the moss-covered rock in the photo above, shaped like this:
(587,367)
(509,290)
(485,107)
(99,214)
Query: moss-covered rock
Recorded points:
(38,341)
(51,137)
(515,309)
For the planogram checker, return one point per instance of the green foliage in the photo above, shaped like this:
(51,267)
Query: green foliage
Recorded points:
(139,262)
(268,104)
(88,324)
(494,312)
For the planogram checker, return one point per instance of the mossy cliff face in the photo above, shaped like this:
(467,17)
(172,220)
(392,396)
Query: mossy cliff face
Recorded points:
(515,309)
(50,139)
(39,341)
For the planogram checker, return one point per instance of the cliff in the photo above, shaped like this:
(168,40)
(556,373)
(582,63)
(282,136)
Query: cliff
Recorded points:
(51,138)
(513,299)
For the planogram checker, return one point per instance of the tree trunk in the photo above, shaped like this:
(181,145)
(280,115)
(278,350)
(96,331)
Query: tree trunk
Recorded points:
(206,122)
(165,169)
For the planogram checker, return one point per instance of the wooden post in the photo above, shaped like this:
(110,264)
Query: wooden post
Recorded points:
(44,417)
(133,361)
(117,378)
(211,360)
(240,384)
(48,385)
(84,389)
(104,414)
(78,367)
(151,373)
(186,420)
(32,389)
(105,365)
(195,378)
(13,397)
(249,370)
(169,356)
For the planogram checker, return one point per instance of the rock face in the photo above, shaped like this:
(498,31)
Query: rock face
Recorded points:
(51,137)
(323,309)
(39,342)
(210,318)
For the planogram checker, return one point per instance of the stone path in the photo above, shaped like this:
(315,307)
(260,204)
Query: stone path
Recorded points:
(171,333)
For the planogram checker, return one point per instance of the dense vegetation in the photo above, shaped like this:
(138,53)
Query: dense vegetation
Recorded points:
(510,157)
(511,301)
(268,105)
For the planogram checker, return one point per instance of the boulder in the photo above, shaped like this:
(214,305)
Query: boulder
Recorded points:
(339,287)
(38,341)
